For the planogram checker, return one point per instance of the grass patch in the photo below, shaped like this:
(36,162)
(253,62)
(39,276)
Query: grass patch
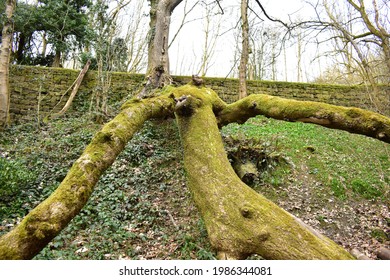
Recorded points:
(348,164)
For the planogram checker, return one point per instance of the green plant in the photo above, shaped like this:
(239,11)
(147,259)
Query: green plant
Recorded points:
(190,250)
(338,189)
(15,186)
(380,235)
(14,178)
(365,189)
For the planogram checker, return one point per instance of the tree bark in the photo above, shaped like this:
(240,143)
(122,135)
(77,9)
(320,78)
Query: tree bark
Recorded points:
(57,59)
(5,53)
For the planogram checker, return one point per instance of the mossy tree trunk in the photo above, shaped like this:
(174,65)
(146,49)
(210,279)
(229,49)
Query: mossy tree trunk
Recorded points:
(354,120)
(239,221)
(5,54)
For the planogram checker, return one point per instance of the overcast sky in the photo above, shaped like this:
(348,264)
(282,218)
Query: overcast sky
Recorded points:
(186,52)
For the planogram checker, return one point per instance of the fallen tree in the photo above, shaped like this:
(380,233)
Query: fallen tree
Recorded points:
(239,221)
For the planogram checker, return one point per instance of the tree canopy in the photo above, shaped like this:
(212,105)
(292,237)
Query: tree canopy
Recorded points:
(62,26)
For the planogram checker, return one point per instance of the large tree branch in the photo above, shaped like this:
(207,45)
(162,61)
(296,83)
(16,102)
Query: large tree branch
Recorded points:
(45,221)
(173,4)
(351,119)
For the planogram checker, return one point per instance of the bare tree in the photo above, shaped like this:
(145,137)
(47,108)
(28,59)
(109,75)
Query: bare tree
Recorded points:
(361,34)
(299,57)
(105,26)
(267,45)
(211,34)
(5,53)
(350,39)
(242,89)
(135,39)
(378,29)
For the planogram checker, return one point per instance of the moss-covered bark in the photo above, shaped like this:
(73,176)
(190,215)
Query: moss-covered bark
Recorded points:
(239,221)
(351,119)
(45,221)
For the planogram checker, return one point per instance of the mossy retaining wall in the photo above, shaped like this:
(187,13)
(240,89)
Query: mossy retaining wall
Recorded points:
(38,91)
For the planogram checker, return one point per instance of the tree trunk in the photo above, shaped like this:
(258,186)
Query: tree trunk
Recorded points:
(386,51)
(245,50)
(57,59)
(44,44)
(19,52)
(5,53)
(158,61)
(239,221)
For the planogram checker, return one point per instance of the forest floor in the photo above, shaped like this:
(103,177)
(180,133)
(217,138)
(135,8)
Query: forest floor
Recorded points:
(337,182)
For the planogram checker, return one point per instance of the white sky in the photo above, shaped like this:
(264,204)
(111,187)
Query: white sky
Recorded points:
(186,51)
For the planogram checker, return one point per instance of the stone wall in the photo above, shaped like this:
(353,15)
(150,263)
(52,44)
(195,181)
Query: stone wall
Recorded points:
(37,91)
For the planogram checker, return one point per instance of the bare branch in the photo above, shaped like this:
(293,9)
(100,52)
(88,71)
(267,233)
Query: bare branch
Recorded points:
(270,18)
(183,21)
(219,5)
(174,4)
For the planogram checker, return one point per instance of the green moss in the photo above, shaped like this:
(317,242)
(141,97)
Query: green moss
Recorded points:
(380,235)
(102,137)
